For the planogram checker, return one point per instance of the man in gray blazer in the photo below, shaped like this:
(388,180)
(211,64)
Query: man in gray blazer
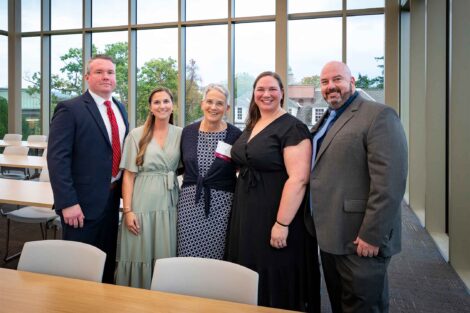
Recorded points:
(357,183)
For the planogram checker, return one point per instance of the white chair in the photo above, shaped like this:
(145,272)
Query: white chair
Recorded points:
(13,138)
(37,138)
(16,150)
(206,278)
(63,258)
(33,215)
(15,172)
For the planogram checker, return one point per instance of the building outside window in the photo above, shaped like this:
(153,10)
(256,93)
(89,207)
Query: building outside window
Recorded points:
(195,49)
(318,114)
(239,114)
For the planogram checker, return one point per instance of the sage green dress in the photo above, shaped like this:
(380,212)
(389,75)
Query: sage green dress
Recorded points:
(154,202)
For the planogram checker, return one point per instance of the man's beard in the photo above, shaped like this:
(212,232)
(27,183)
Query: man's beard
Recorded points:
(337,103)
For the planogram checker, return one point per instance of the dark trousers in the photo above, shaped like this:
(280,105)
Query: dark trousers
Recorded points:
(356,284)
(101,233)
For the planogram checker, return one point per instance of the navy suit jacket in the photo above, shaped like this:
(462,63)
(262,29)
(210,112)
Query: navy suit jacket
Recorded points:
(79,155)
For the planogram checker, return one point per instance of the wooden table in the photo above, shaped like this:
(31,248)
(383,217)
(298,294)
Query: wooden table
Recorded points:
(29,292)
(22,161)
(26,192)
(32,145)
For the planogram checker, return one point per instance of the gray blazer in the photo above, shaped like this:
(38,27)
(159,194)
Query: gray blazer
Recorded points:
(358,180)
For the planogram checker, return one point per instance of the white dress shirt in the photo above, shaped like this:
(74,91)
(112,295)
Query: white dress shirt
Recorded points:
(119,119)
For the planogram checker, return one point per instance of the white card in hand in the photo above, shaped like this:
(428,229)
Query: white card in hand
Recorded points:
(223,151)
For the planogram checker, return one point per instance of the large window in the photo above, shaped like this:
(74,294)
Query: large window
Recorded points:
(254,8)
(301,6)
(109,13)
(185,45)
(66,14)
(66,68)
(254,53)
(206,54)
(364,4)
(30,86)
(366,57)
(157,11)
(115,45)
(30,15)
(3,14)
(306,59)
(3,85)
(157,55)
(314,39)
(206,9)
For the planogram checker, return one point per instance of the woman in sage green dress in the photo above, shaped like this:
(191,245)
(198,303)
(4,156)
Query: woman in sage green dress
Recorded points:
(150,193)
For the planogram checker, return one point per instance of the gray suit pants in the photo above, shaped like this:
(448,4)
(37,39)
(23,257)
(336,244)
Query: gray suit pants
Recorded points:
(356,284)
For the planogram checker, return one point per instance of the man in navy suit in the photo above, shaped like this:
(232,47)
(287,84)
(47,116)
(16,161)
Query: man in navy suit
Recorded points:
(85,143)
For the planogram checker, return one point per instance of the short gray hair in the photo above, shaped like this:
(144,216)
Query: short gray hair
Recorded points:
(218,88)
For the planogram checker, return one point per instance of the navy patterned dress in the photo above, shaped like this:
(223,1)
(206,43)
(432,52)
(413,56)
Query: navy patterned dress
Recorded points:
(202,219)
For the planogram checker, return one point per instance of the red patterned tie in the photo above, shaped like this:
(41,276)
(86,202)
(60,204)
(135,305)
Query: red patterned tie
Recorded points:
(116,144)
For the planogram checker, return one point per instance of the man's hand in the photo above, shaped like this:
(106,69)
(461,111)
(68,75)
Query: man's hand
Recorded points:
(365,249)
(73,216)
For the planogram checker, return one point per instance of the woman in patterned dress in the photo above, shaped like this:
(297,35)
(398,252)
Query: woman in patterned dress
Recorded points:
(150,193)
(209,179)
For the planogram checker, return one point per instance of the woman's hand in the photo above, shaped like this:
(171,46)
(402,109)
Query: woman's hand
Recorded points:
(132,223)
(279,236)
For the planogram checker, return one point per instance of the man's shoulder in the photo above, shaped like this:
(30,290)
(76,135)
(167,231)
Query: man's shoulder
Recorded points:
(72,103)
(372,106)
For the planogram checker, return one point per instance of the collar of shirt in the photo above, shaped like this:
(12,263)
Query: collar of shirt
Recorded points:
(98,99)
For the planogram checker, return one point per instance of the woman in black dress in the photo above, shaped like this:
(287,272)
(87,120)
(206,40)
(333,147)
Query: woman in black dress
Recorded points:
(267,232)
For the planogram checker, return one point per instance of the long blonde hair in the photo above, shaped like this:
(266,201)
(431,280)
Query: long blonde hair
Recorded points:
(149,125)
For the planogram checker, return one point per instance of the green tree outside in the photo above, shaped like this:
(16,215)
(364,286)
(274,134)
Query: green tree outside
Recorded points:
(243,85)
(193,110)
(155,72)
(311,80)
(3,116)
(363,81)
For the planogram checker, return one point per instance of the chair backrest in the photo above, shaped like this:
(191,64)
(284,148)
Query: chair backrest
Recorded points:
(206,278)
(37,138)
(16,150)
(63,258)
(12,137)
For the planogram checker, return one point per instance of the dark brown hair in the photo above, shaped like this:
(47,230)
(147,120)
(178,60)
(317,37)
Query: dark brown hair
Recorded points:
(149,125)
(253,112)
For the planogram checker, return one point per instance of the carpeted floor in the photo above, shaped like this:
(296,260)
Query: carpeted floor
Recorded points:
(421,281)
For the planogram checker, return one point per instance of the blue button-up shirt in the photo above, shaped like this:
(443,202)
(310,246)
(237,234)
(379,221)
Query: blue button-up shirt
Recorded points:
(338,114)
